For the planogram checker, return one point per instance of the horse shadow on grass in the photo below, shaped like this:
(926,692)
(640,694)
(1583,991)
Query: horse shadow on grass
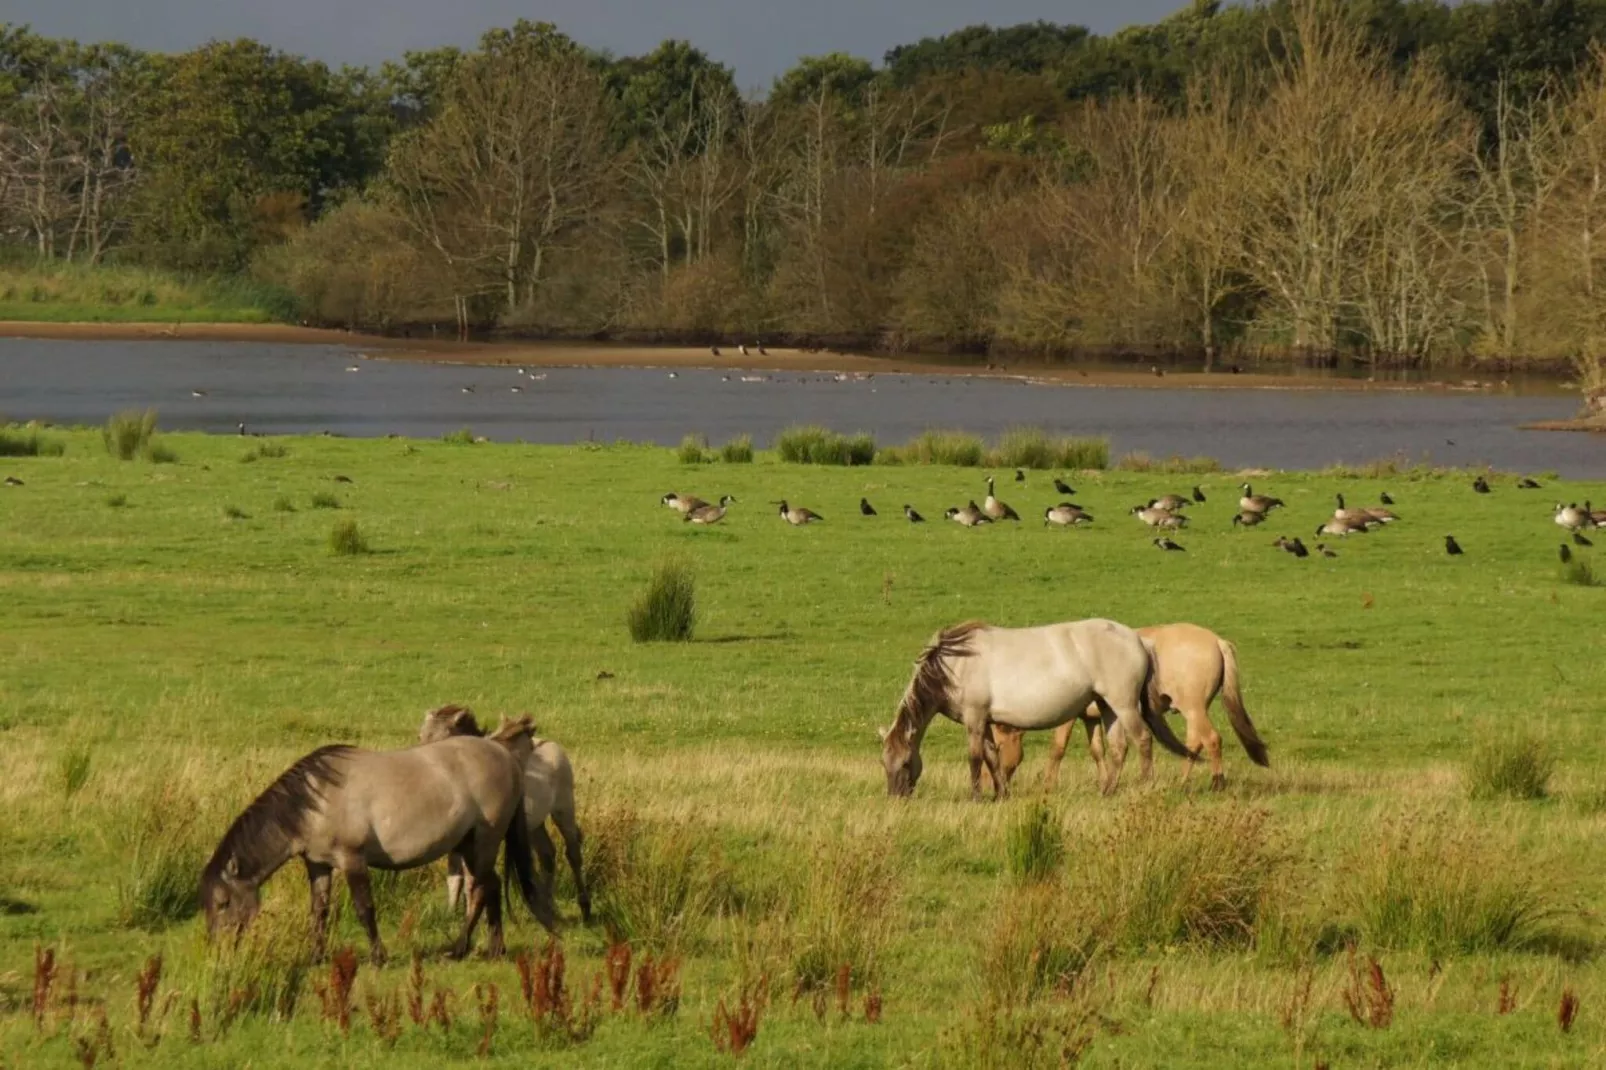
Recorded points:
(773,637)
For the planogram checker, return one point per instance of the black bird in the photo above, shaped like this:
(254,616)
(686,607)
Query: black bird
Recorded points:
(1480,485)
(1322,549)
(342,479)
(914,517)
(1527,484)
(1566,553)
(714,350)
(1166,544)
(866,508)
(1061,486)
(1020,477)
(1385,499)
(1198,495)
(1452,547)
(762,351)
(13,481)
(1580,540)
(242,430)
(1293,546)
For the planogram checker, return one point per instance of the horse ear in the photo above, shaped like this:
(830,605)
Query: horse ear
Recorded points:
(231,868)
(883,733)
(460,714)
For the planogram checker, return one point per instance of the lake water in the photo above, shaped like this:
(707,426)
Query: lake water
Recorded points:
(276,389)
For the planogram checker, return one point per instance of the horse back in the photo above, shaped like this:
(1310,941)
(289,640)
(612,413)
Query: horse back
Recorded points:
(1188,661)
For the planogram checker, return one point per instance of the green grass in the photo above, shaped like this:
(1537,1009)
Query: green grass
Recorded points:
(28,442)
(76,293)
(730,786)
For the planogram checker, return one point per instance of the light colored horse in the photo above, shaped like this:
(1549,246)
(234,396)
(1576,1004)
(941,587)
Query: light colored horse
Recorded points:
(354,810)
(1192,666)
(548,792)
(1026,678)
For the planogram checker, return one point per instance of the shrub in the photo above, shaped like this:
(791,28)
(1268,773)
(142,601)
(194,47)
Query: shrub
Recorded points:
(841,911)
(28,442)
(1443,885)
(322,499)
(656,884)
(1512,766)
(1035,845)
(692,450)
(461,437)
(738,450)
(1031,447)
(346,539)
(128,434)
(666,611)
(818,445)
(1580,573)
(161,885)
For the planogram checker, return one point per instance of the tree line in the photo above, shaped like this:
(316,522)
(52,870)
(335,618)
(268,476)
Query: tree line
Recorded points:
(1404,181)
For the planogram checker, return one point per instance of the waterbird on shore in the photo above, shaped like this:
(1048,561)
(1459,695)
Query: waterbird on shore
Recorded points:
(1247,519)
(714,350)
(1165,543)
(1527,484)
(913,517)
(995,509)
(197,393)
(466,389)
(865,508)
(515,390)
(1452,547)
(242,428)
(970,516)
(1251,502)
(352,368)
(1321,548)
(743,348)
(709,514)
(1571,517)
(1480,485)
(1385,499)
(1066,515)
(342,479)
(674,375)
(1063,487)
(796,515)
(762,351)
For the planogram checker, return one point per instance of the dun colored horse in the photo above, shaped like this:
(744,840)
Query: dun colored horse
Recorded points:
(355,810)
(548,792)
(1193,665)
(1024,678)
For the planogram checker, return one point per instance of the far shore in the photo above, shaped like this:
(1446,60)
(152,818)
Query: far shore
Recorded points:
(606,355)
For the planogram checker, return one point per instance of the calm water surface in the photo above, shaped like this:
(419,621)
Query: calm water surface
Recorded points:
(278,389)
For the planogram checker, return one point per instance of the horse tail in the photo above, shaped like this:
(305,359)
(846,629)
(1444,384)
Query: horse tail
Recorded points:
(1153,705)
(1254,746)
(518,864)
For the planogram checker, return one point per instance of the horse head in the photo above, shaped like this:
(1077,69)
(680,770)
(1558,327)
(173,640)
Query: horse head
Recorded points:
(447,721)
(900,757)
(230,902)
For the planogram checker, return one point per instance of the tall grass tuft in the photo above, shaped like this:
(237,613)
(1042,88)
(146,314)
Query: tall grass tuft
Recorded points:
(1439,884)
(1514,765)
(811,444)
(840,912)
(1035,845)
(28,442)
(1041,943)
(1580,573)
(958,448)
(322,499)
(265,451)
(161,884)
(128,434)
(738,450)
(656,884)
(666,611)
(234,512)
(347,540)
(463,436)
(73,766)
(693,450)
(1031,447)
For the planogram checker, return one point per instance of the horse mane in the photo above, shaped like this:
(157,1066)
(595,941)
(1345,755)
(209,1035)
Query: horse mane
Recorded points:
(460,719)
(928,688)
(278,809)
(508,731)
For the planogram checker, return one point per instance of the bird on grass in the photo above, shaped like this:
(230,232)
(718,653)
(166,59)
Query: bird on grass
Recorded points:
(1566,554)
(796,515)
(13,481)
(1322,549)
(1293,546)
(1248,520)
(1066,515)
(1452,547)
(1527,484)
(342,479)
(1063,487)
(1580,540)
(1198,495)
(913,517)
(709,514)
(865,508)
(1020,476)
(970,516)
(1480,485)
(1385,499)
(1165,543)
(995,509)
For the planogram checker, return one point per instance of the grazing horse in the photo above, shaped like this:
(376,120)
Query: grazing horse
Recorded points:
(1023,678)
(354,810)
(548,792)
(1192,666)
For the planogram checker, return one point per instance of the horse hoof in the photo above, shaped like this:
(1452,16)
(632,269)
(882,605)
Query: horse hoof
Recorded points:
(378,957)
(1218,782)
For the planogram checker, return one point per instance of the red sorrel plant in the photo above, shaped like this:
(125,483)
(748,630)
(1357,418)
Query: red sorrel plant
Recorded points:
(1508,998)
(872,1006)
(145,993)
(1368,997)
(385,1016)
(488,1001)
(658,986)
(734,1030)
(195,1021)
(844,989)
(415,992)
(440,1011)
(44,977)
(336,994)
(617,962)
(1568,1011)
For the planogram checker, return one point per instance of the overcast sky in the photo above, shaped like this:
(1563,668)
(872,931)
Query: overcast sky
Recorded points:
(757,38)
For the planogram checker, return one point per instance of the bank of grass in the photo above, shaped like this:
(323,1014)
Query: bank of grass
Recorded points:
(59,292)
(730,788)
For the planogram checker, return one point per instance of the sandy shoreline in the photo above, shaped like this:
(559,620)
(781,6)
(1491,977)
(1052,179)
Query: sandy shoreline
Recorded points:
(603,355)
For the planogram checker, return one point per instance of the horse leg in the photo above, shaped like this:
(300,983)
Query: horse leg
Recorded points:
(979,738)
(1095,746)
(1056,754)
(1201,731)
(476,905)
(454,880)
(319,879)
(545,853)
(1116,739)
(1146,754)
(493,913)
(572,839)
(362,900)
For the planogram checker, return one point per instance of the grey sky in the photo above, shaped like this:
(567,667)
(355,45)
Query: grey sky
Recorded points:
(758,38)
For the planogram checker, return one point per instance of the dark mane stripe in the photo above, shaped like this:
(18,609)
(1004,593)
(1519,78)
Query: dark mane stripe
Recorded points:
(278,811)
(928,688)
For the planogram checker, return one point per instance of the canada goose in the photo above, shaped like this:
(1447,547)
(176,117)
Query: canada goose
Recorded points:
(1342,527)
(970,516)
(1248,520)
(1321,548)
(995,509)
(1367,515)
(743,348)
(352,368)
(1165,543)
(709,514)
(1571,517)
(914,517)
(797,516)
(762,351)
(1158,518)
(1170,503)
(865,508)
(1452,547)
(1597,517)
(1198,495)
(342,479)
(1385,499)
(1579,540)
(1020,476)
(1066,515)
(674,375)
(1062,487)
(13,481)
(1566,553)
(1480,485)
(1257,503)
(682,503)
(1527,484)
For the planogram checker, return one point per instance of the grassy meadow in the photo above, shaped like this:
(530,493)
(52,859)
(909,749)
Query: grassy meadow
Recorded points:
(61,292)
(1416,880)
